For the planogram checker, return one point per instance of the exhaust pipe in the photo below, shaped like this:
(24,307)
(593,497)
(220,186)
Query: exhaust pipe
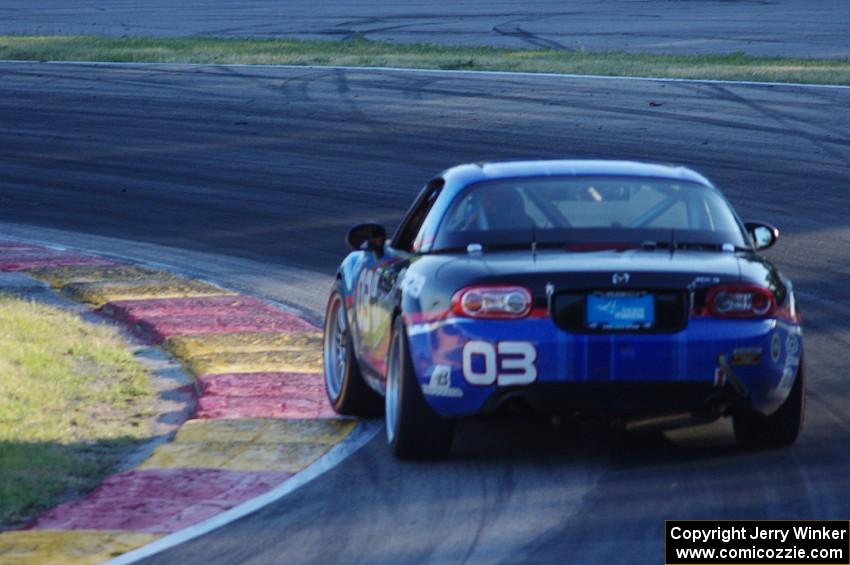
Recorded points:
(667,422)
(516,405)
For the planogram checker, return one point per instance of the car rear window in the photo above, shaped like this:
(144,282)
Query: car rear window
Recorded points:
(567,209)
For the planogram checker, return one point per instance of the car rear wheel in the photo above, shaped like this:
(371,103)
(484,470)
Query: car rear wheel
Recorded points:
(347,392)
(414,430)
(780,428)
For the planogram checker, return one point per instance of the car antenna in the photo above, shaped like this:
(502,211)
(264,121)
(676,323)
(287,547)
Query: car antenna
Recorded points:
(534,243)
(672,241)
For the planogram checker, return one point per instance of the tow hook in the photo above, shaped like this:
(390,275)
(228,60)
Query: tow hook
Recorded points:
(734,382)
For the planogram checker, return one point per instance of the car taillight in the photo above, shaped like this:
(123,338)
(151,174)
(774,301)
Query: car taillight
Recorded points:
(492,302)
(740,301)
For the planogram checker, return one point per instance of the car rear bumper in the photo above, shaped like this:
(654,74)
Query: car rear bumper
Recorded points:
(711,361)
(628,400)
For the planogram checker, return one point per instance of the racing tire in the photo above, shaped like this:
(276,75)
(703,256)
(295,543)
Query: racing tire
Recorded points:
(347,392)
(414,430)
(781,428)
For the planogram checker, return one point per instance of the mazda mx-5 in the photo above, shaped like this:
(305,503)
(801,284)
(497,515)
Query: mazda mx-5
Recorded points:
(627,290)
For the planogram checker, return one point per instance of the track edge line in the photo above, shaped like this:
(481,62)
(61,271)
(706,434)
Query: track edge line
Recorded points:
(439,71)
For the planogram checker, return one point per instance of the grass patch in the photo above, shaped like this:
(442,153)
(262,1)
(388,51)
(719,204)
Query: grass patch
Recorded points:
(73,400)
(359,51)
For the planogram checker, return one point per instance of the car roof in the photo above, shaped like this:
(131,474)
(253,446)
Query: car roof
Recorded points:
(464,175)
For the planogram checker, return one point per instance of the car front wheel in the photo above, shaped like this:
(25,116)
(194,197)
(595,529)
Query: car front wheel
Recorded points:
(347,392)
(414,430)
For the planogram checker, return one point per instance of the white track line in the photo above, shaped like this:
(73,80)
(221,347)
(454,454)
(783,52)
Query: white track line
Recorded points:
(441,71)
(364,432)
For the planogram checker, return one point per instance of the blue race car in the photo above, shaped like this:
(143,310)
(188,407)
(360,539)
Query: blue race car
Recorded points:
(612,288)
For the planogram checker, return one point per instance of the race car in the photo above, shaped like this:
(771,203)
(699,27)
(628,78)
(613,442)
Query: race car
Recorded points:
(624,290)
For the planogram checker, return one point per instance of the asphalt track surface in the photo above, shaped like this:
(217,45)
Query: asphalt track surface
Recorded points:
(759,27)
(271,165)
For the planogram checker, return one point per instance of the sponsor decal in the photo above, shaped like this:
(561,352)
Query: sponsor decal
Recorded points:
(775,348)
(412,284)
(440,383)
(364,291)
(792,363)
(792,345)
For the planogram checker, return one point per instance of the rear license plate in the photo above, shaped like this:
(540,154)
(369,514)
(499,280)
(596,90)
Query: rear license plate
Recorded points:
(620,311)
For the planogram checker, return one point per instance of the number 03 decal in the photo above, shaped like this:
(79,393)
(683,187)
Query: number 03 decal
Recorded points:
(509,363)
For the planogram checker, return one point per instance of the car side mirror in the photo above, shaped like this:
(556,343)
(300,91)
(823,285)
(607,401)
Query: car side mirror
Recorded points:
(368,234)
(764,235)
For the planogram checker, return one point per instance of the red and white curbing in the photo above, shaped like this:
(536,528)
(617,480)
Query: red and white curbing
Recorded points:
(262,416)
